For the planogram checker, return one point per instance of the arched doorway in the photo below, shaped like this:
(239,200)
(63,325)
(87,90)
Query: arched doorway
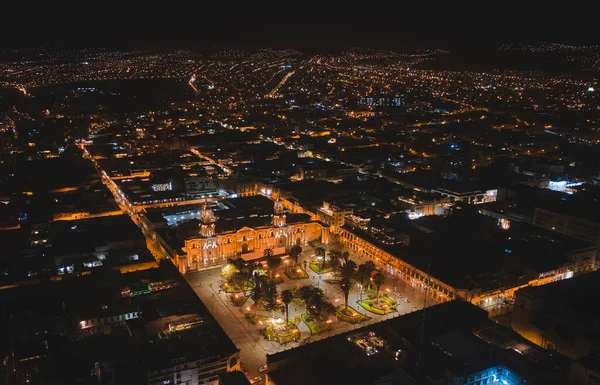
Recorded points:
(298,241)
(244,248)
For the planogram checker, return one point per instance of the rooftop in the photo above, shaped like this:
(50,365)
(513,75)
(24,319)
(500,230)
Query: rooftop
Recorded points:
(451,347)
(37,312)
(467,250)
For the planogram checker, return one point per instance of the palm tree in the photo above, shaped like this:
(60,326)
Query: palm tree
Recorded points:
(362,272)
(295,253)
(267,252)
(315,300)
(306,293)
(334,258)
(345,256)
(369,269)
(287,297)
(348,269)
(345,287)
(378,279)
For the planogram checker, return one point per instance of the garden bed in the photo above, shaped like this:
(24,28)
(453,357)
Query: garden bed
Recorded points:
(258,319)
(299,302)
(315,326)
(295,272)
(227,288)
(282,334)
(354,317)
(238,299)
(315,266)
(386,305)
(266,306)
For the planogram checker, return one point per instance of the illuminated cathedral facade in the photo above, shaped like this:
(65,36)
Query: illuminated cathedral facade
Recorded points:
(213,247)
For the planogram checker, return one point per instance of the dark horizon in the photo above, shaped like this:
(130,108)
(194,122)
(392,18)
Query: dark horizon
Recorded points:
(310,29)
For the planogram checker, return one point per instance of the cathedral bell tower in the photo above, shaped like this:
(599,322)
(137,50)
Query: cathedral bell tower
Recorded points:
(278,215)
(207,225)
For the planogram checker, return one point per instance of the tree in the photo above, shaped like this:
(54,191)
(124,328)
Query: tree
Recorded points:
(361,272)
(378,279)
(248,268)
(345,287)
(306,293)
(334,258)
(320,253)
(323,308)
(316,294)
(295,253)
(345,256)
(273,263)
(257,291)
(234,265)
(238,279)
(369,269)
(271,293)
(348,269)
(287,297)
(237,263)
(268,252)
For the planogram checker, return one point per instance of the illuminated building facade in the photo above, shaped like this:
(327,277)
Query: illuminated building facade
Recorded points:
(216,241)
(333,215)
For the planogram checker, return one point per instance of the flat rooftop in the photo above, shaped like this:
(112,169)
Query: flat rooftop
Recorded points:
(52,308)
(450,343)
(467,250)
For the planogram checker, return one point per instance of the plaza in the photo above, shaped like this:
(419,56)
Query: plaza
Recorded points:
(245,324)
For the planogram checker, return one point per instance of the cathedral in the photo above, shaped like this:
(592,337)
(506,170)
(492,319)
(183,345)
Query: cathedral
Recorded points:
(217,239)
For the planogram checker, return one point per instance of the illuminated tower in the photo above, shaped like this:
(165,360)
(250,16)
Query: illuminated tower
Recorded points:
(279,215)
(207,227)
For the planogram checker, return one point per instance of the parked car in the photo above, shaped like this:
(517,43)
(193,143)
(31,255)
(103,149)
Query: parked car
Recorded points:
(255,380)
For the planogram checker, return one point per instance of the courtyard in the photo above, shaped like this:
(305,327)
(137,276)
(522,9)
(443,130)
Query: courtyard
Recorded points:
(259,324)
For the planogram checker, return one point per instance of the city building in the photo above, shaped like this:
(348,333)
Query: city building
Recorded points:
(443,257)
(585,371)
(243,231)
(586,226)
(333,215)
(145,327)
(311,170)
(560,316)
(200,186)
(451,343)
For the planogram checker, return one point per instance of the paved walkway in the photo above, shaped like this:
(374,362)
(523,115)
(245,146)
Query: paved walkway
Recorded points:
(247,337)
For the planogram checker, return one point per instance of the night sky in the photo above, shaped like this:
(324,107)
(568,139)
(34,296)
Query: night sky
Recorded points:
(309,28)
